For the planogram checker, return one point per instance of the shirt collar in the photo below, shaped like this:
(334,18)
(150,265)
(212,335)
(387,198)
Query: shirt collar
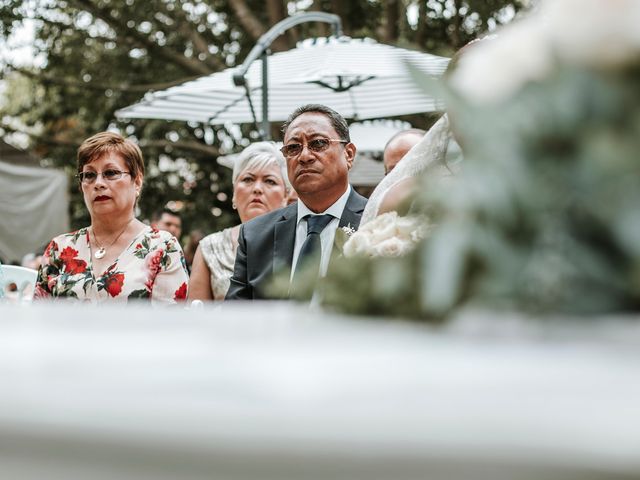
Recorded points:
(335,210)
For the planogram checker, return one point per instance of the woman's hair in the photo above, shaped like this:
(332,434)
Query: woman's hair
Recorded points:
(100,144)
(258,155)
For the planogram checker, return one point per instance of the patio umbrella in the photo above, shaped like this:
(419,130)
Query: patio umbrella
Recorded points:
(359,78)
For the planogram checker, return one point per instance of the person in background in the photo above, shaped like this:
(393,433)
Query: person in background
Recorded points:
(167,220)
(398,146)
(260,185)
(117,258)
(292,196)
(319,155)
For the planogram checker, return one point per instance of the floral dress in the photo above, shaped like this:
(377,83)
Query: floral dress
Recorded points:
(151,267)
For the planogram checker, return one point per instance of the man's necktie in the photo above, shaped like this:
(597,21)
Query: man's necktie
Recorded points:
(309,257)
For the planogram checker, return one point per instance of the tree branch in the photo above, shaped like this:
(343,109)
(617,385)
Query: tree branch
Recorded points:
(190,145)
(189,64)
(182,145)
(123,87)
(254,27)
(46,139)
(188,30)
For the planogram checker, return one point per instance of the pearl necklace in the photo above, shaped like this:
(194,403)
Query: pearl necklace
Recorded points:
(102,251)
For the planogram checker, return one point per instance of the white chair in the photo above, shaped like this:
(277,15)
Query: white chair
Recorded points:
(17,283)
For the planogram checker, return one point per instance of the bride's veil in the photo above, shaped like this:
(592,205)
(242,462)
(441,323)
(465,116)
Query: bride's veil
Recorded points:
(427,153)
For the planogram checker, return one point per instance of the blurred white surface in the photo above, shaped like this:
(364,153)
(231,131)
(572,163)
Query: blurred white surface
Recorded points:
(273,391)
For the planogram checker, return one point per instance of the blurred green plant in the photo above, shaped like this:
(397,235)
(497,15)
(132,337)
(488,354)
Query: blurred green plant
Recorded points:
(544,216)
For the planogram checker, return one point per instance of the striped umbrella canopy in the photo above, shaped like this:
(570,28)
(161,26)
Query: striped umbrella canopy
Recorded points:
(359,78)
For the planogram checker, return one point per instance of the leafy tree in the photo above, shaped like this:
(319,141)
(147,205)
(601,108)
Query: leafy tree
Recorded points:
(101,55)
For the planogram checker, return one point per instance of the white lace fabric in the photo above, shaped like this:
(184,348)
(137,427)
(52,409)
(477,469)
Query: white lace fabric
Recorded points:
(429,153)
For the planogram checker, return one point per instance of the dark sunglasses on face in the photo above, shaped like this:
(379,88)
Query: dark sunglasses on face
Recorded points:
(316,145)
(109,175)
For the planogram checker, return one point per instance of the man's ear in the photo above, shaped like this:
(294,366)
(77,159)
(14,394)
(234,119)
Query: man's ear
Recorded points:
(350,154)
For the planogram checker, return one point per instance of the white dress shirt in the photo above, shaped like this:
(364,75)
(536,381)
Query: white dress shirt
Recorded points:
(326,236)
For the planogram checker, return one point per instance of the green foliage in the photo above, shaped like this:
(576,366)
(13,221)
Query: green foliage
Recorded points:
(542,218)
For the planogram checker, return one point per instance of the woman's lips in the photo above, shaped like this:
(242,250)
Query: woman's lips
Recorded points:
(101,198)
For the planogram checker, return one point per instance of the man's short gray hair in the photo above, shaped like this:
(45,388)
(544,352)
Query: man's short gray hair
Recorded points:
(337,121)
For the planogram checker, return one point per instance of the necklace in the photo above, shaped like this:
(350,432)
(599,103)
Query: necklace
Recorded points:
(102,251)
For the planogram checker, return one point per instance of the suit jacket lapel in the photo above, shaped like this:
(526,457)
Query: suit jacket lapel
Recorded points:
(351,216)
(284,240)
(352,212)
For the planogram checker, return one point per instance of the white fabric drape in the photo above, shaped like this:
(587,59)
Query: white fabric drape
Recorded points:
(33,208)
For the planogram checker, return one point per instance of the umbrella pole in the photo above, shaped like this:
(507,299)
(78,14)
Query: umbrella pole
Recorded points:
(260,49)
(266,130)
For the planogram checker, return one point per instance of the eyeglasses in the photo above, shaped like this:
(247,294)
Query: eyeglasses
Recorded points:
(110,175)
(316,145)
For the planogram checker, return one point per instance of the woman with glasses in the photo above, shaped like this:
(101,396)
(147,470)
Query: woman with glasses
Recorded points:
(260,185)
(117,258)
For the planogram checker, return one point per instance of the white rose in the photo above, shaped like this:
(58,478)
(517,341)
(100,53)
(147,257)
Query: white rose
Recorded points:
(575,32)
(383,227)
(494,70)
(420,233)
(594,32)
(392,247)
(357,244)
(406,226)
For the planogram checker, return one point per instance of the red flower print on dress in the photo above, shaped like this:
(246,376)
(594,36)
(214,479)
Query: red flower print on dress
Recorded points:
(68,253)
(153,264)
(40,292)
(72,265)
(113,284)
(181,293)
(51,248)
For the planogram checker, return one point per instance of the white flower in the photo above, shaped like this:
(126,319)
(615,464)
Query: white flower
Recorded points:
(592,33)
(496,69)
(408,226)
(392,247)
(348,230)
(595,32)
(383,227)
(387,235)
(357,244)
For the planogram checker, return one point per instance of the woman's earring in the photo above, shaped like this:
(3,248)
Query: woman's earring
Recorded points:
(233,205)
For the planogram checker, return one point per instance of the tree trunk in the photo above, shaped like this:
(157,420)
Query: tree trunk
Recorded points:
(390,34)
(277,11)
(339,8)
(456,37)
(421,33)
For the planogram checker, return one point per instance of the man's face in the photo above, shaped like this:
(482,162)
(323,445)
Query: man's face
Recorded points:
(397,149)
(171,224)
(318,173)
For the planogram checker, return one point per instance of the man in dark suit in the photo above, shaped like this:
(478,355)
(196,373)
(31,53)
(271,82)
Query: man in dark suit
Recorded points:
(319,154)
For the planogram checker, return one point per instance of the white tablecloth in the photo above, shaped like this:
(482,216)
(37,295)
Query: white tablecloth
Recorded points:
(270,391)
